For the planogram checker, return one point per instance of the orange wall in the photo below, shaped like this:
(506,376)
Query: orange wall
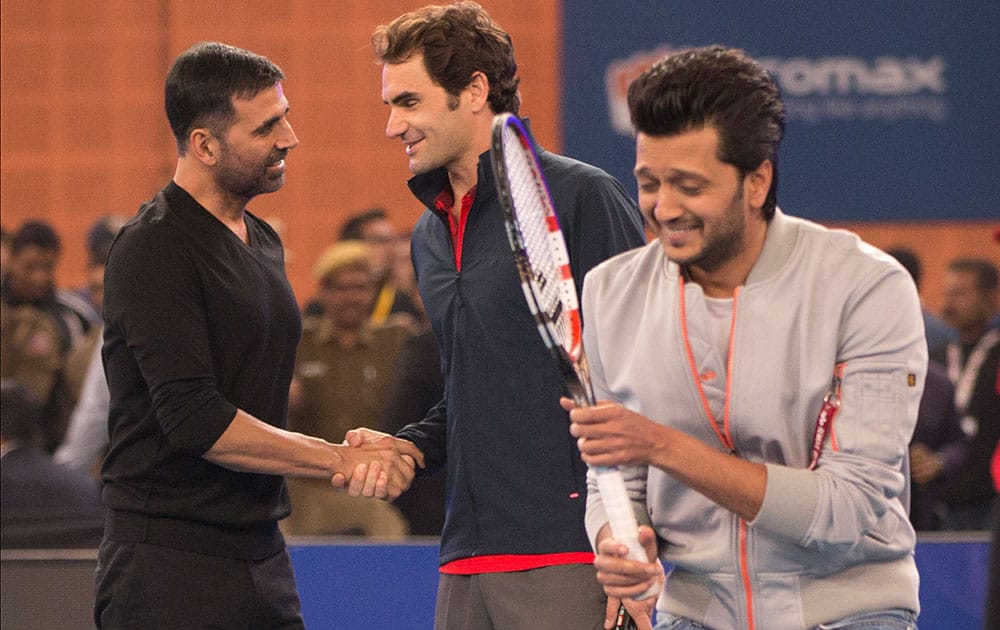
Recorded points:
(82,129)
(84,134)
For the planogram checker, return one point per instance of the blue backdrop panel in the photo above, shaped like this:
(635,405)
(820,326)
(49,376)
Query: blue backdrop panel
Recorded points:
(892,105)
(952,584)
(393,587)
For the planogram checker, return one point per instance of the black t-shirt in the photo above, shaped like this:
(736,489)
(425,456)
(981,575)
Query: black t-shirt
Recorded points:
(198,324)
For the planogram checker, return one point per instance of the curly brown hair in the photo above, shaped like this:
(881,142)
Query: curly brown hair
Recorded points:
(456,40)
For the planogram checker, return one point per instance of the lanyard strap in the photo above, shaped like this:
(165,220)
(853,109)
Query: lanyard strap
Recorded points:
(965,378)
(827,411)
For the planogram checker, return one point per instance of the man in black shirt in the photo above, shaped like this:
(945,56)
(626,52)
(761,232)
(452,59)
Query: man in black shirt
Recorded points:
(201,328)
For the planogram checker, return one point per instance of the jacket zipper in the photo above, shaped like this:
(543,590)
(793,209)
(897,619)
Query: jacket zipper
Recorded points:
(724,434)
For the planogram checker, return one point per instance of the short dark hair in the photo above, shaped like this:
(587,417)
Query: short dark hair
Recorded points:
(20,413)
(909,260)
(455,40)
(987,277)
(354,227)
(100,235)
(202,82)
(35,234)
(721,87)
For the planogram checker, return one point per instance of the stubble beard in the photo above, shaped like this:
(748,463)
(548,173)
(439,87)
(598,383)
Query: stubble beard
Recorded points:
(724,243)
(245,180)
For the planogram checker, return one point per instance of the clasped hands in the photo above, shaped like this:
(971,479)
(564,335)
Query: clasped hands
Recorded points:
(380,465)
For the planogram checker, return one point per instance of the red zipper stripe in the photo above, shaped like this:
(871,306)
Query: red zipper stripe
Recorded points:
(745,574)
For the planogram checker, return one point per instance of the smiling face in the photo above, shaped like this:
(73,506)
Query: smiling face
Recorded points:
(705,215)
(252,150)
(436,127)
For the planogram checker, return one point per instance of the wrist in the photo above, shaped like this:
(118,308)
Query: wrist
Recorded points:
(663,443)
(336,460)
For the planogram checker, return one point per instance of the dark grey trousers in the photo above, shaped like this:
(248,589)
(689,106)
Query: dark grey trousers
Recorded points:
(559,597)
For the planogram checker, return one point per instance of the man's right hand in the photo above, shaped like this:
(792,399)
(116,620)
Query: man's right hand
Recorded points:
(380,465)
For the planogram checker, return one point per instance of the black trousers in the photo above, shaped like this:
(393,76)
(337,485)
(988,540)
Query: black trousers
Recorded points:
(148,587)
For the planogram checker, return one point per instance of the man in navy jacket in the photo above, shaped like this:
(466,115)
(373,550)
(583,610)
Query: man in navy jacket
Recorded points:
(514,553)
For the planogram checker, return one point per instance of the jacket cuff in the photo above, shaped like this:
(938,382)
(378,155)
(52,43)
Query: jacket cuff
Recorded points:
(790,500)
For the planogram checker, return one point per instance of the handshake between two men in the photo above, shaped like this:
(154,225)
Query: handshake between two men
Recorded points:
(380,465)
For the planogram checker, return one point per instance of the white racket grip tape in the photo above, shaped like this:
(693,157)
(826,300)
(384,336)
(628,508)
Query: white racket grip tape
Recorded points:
(621,518)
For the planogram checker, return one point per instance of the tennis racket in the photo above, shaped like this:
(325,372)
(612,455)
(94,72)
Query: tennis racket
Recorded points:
(547,281)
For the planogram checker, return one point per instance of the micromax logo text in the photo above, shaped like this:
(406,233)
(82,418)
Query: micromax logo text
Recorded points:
(842,87)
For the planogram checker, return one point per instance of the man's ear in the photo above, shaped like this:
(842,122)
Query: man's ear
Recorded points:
(478,91)
(204,146)
(757,183)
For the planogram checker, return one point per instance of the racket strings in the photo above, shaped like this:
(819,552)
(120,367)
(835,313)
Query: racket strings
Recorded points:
(546,253)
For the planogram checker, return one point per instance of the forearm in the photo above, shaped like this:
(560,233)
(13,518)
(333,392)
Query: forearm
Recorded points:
(611,435)
(729,480)
(250,445)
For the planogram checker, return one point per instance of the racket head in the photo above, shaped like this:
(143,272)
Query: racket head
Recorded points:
(539,249)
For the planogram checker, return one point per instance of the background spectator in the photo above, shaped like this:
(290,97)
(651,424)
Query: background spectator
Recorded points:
(86,438)
(343,367)
(937,449)
(42,504)
(971,300)
(31,279)
(373,228)
(39,327)
(99,238)
(937,331)
(100,235)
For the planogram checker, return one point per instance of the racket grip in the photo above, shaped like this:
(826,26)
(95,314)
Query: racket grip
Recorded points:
(621,518)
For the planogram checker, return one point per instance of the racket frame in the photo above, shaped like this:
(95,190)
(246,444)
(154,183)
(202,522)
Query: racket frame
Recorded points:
(574,370)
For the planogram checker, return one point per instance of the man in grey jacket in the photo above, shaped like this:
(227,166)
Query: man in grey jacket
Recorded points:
(760,378)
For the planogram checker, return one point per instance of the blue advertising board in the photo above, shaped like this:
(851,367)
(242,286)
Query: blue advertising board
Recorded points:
(394,586)
(892,106)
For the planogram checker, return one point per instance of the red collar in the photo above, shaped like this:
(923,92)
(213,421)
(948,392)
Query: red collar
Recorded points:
(442,205)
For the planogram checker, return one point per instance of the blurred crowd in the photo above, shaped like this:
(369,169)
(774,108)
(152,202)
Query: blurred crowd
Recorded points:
(368,358)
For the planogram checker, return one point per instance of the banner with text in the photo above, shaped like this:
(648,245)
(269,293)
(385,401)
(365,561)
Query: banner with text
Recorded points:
(892,107)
